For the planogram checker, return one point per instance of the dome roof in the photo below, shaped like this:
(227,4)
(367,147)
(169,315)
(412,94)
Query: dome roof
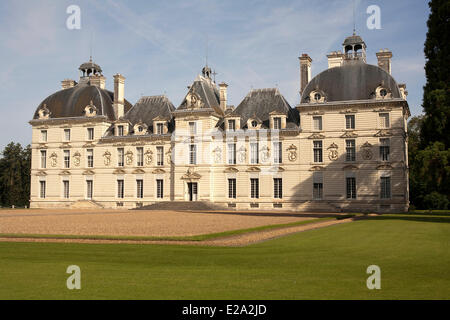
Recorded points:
(355,80)
(73,101)
(354,39)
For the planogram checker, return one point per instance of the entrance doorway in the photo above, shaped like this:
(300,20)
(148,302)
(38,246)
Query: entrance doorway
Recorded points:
(193,191)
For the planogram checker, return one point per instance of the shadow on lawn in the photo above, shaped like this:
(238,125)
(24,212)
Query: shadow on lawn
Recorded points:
(404,217)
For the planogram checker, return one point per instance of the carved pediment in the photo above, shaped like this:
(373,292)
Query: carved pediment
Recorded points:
(383,133)
(65,173)
(366,145)
(89,173)
(277,169)
(316,113)
(191,175)
(316,136)
(231,170)
(350,167)
(349,111)
(349,134)
(41,173)
(65,145)
(253,169)
(317,168)
(119,171)
(158,171)
(333,146)
(384,167)
(138,171)
(89,145)
(292,147)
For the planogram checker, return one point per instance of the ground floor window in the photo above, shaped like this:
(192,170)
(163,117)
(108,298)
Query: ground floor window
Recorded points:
(318,191)
(66,189)
(351,188)
(277,188)
(232,188)
(254,186)
(140,188)
(89,189)
(42,185)
(160,189)
(120,189)
(385,187)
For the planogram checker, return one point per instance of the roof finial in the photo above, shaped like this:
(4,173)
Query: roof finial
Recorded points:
(354,18)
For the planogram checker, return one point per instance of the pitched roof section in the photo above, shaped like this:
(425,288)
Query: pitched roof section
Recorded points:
(207,92)
(260,103)
(148,109)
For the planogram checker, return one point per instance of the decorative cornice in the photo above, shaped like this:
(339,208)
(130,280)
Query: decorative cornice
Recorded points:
(349,134)
(158,171)
(119,171)
(383,133)
(65,173)
(231,170)
(253,169)
(316,136)
(350,167)
(138,171)
(90,173)
(317,168)
(384,167)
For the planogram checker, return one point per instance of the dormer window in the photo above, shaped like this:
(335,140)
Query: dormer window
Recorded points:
(120,131)
(160,128)
(66,134)
(254,124)
(43,135)
(232,125)
(382,93)
(44,113)
(317,97)
(90,110)
(277,123)
(140,128)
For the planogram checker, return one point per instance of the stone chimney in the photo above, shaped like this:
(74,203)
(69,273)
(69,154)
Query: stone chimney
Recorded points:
(223,96)
(384,60)
(305,71)
(119,95)
(98,81)
(335,59)
(67,83)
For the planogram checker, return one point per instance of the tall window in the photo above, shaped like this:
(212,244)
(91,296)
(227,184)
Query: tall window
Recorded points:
(120,131)
(43,135)
(42,190)
(140,188)
(232,188)
(350,121)
(317,123)
(384,120)
(90,134)
(318,153)
(66,158)
(232,153)
(277,188)
(160,128)
(351,188)
(90,189)
(120,157)
(192,154)
(277,152)
(254,188)
(66,134)
(384,149)
(90,158)
(385,188)
(192,128)
(351,150)
(277,123)
(318,186)
(254,153)
(160,156)
(160,189)
(231,124)
(43,159)
(120,189)
(66,189)
(140,156)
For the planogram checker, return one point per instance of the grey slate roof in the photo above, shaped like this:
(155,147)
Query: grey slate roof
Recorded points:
(355,80)
(72,102)
(208,92)
(149,108)
(259,103)
(354,39)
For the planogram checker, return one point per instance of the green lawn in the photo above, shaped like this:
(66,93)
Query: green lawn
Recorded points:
(413,253)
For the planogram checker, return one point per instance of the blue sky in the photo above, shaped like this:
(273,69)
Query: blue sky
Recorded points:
(160,46)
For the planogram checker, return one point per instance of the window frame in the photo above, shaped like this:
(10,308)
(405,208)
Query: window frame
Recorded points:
(254,188)
(277,188)
(232,188)
(350,151)
(352,125)
(318,151)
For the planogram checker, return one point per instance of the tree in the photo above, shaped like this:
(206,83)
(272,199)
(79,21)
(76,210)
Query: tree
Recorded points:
(15,166)
(436,99)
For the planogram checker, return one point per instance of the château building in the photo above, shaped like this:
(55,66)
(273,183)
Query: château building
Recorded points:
(342,148)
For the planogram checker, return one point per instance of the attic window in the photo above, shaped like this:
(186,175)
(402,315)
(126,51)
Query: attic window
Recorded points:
(140,129)
(317,96)
(383,92)
(254,123)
